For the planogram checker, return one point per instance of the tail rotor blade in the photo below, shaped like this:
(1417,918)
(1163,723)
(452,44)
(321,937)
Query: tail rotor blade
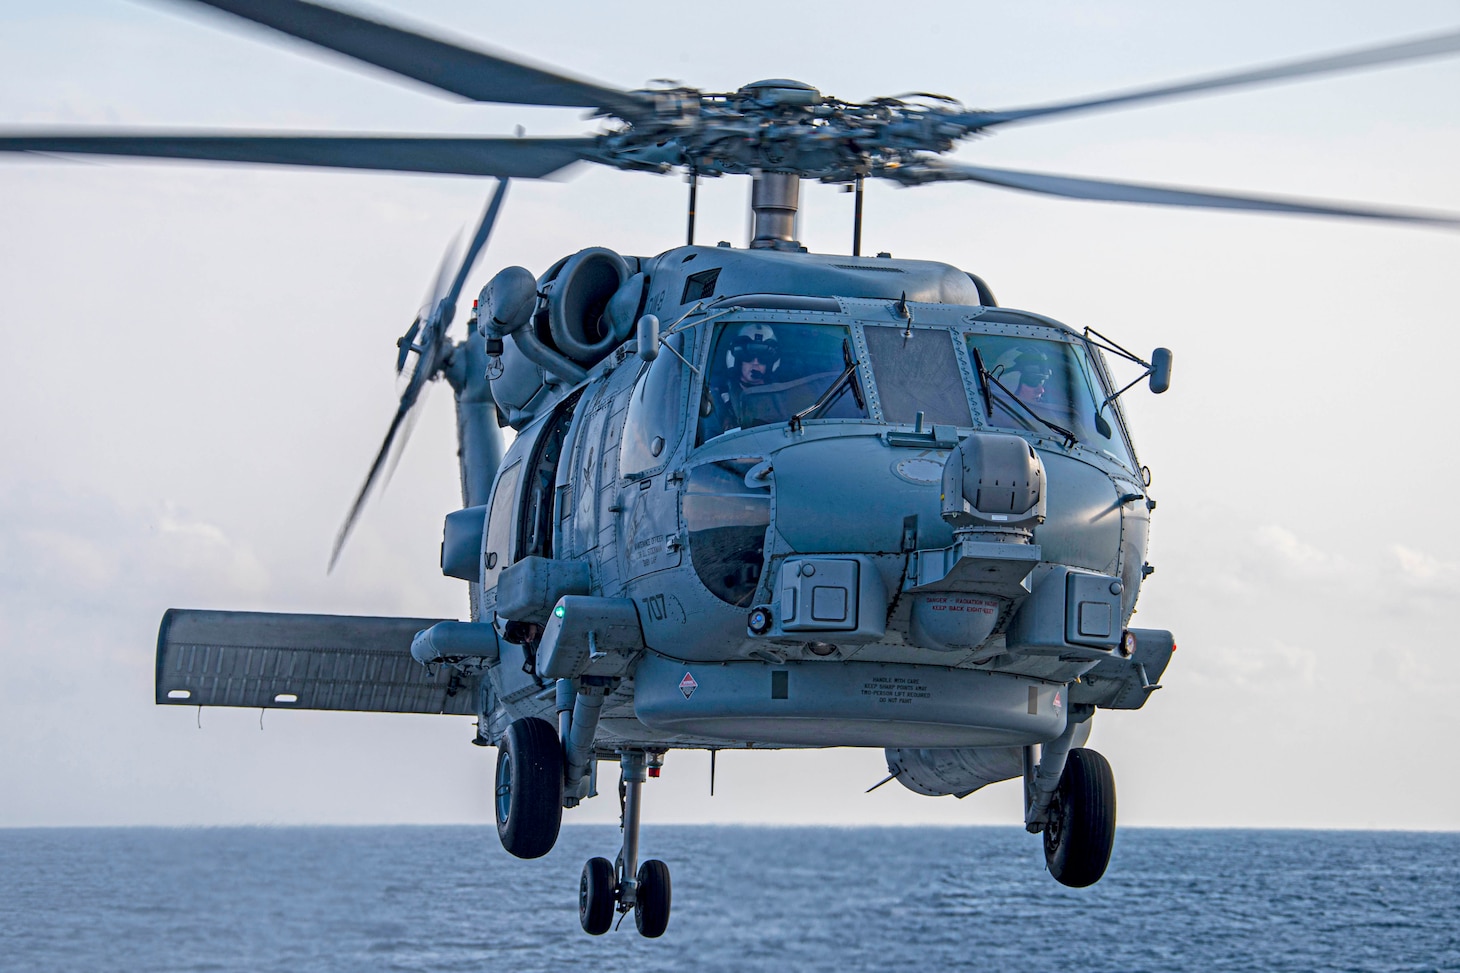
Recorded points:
(438,284)
(478,241)
(370,478)
(405,343)
(427,338)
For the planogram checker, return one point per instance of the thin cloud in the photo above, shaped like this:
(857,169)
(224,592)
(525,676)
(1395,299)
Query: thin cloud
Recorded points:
(1295,555)
(1423,570)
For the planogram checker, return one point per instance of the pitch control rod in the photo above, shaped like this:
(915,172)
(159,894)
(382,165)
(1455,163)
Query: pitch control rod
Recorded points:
(694,191)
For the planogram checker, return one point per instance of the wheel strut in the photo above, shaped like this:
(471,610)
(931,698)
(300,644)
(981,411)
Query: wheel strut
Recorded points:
(634,768)
(627,886)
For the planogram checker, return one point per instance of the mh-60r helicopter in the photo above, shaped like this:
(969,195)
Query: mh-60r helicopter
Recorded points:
(757,497)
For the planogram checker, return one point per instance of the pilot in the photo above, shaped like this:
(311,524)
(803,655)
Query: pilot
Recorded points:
(752,358)
(1034,371)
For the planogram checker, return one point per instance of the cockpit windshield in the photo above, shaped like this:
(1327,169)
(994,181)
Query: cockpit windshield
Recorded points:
(917,372)
(765,373)
(1051,379)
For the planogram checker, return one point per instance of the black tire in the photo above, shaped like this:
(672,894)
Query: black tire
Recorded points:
(1081,828)
(651,903)
(596,896)
(529,788)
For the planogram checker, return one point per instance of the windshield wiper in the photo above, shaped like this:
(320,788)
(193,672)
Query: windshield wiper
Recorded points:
(986,376)
(983,384)
(825,399)
(850,361)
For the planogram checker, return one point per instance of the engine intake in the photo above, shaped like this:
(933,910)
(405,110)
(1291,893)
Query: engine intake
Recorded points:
(577,295)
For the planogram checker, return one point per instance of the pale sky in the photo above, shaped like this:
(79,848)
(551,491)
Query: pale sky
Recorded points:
(201,370)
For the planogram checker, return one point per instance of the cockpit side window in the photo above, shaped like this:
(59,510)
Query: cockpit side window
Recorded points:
(916,370)
(1053,380)
(760,374)
(652,427)
(500,520)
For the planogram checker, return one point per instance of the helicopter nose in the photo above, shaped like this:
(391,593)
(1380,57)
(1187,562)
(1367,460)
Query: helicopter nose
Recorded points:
(858,494)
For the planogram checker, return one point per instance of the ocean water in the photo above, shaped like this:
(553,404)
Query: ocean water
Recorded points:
(745,898)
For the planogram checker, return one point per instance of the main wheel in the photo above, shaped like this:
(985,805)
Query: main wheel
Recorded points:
(651,904)
(596,896)
(1081,828)
(529,788)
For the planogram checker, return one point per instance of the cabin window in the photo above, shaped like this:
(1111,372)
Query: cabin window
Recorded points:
(585,483)
(1054,381)
(727,521)
(537,524)
(498,546)
(766,373)
(699,286)
(916,370)
(651,428)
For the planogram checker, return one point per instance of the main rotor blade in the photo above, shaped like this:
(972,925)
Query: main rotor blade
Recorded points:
(1073,187)
(472,74)
(1432,46)
(516,158)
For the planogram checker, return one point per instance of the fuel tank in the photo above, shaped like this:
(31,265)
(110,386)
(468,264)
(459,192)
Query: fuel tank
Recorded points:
(848,704)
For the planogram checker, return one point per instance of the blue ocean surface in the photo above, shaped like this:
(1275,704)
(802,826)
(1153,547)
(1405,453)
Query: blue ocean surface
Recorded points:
(745,898)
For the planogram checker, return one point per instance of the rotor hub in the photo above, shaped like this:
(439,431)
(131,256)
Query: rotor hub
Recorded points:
(784,126)
(781,93)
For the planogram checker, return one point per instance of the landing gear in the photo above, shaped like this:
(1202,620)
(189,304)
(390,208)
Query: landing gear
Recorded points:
(1080,829)
(596,896)
(529,794)
(651,904)
(627,885)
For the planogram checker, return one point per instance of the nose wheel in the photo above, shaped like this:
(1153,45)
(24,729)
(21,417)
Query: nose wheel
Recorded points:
(626,885)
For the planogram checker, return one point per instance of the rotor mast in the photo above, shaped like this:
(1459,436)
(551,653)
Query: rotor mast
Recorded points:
(774,200)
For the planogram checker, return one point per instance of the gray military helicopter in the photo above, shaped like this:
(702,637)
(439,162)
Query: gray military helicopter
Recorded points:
(757,498)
